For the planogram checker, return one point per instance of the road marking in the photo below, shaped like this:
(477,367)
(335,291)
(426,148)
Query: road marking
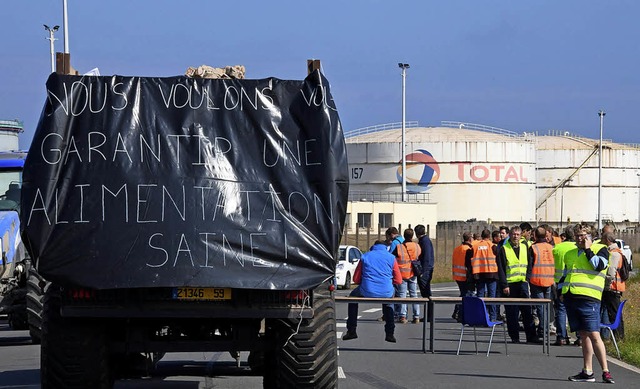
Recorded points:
(341,324)
(341,372)
(339,334)
(445,289)
(372,310)
(622,364)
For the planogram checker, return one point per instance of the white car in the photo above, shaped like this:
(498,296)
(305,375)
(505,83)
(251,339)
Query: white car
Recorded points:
(626,250)
(348,260)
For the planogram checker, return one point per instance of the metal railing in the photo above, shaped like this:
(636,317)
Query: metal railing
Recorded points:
(388,196)
(11,125)
(479,127)
(379,127)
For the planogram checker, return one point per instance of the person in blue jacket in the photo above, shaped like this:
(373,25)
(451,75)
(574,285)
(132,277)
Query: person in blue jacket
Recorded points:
(376,274)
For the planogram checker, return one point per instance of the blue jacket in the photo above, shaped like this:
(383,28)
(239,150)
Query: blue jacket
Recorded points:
(377,272)
(396,241)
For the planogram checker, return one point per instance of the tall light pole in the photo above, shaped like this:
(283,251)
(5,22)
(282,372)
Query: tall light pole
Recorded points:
(562,201)
(638,174)
(601,113)
(51,48)
(66,26)
(404,67)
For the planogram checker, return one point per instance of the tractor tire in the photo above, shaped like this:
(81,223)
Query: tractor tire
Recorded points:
(18,317)
(74,352)
(304,357)
(35,295)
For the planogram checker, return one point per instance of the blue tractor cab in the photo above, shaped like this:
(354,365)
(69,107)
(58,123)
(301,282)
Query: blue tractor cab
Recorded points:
(14,262)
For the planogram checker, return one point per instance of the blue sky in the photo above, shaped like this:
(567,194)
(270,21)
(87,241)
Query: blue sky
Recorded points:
(519,65)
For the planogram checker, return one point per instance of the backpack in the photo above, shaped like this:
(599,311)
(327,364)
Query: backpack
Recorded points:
(625,269)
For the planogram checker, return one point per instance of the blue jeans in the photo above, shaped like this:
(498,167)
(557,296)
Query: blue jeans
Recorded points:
(519,290)
(540,292)
(387,311)
(487,288)
(401,291)
(561,318)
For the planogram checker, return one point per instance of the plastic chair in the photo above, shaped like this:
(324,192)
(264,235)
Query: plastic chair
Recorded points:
(614,326)
(474,314)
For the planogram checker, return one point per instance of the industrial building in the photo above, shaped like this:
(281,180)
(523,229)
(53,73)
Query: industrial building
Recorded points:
(568,179)
(474,172)
(9,130)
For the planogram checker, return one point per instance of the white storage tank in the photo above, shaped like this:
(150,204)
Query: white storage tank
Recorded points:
(470,171)
(9,130)
(568,171)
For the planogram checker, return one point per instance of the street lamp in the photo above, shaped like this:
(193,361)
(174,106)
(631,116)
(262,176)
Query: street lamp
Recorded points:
(51,49)
(66,26)
(638,174)
(601,113)
(404,67)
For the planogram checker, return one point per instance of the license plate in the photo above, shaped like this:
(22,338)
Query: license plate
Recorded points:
(202,294)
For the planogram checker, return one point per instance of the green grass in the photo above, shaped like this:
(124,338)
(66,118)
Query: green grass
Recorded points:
(630,346)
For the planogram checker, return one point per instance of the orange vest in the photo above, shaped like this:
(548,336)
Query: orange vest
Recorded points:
(543,268)
(458,269)
(617,284)
(407,252)
(483,260)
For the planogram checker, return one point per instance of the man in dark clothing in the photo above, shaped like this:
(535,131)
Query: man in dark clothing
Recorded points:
(426,259)
(514,258)
(376,274)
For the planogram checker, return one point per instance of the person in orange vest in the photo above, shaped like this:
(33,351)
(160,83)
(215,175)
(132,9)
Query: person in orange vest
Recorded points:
(482,261)
(614,286)
(513,260)
(540,273)
(406,252)
(461,273)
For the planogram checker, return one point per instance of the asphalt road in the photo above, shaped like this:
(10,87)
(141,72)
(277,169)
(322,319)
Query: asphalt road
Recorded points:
(366,362)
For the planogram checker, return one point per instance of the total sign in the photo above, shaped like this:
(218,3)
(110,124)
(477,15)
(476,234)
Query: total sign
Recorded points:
(494,172)
(423,172)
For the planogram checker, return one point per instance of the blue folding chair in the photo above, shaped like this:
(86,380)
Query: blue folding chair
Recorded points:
(474,314)
(614,326)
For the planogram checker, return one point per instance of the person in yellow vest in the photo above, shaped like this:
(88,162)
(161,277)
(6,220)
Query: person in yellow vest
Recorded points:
(514,259)
(482,261)
(614,285)
(540,274)
(460,272)
(559,250)
(406,252)
(585,271)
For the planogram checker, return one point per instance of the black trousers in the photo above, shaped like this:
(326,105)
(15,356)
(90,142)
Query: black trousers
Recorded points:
(609,305)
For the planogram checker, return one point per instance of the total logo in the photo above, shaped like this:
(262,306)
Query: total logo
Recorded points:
(422,173)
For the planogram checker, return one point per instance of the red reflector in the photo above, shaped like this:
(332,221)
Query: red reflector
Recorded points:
(82,294)
(332,287)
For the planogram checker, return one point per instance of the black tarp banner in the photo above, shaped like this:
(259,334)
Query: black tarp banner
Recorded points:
(161,182)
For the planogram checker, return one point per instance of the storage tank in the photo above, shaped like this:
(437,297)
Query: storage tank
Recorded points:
(471,171)
(568,171)
(9,130)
